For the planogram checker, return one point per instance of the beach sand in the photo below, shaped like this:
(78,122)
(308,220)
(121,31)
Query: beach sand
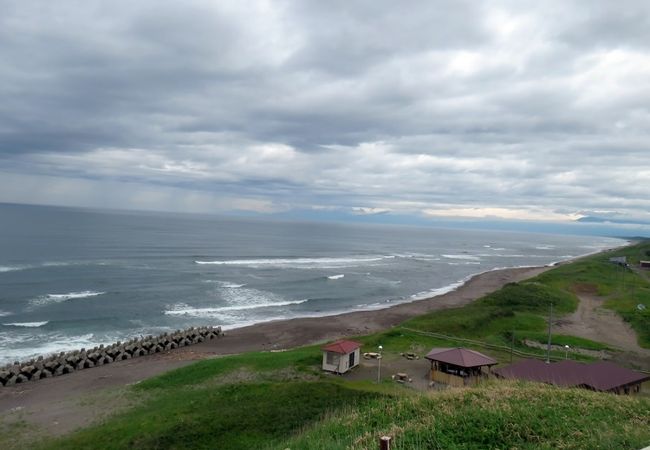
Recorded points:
(61,404)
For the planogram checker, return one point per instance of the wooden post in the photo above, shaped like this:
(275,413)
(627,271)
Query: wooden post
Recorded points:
(384,443)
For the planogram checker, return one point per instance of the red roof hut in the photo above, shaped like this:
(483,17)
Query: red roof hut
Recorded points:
(341,356)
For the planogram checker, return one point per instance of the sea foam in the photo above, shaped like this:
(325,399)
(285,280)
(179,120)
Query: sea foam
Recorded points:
(298,262)
(26,324)
(336,277)
(58,298)
(469,257)
(182,309)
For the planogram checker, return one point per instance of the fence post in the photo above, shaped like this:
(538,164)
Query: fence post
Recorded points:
(384,443)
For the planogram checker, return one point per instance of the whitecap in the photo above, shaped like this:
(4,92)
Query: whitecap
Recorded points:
(229,285)
(298,262)
(439,291)
(58,298)
(10,268)
(470,257)
(4,313)
(336,277)
(182,309)
(26,324)
(13,345)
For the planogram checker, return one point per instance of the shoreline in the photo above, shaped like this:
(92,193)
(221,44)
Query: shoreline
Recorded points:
(59,405)
(285,334)
(380,305)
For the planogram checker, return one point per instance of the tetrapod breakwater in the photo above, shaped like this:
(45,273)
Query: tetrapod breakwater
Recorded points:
(68,362)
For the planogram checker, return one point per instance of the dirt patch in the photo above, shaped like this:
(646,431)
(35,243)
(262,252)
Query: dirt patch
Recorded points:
(585,289)
(592,321)
(416,369)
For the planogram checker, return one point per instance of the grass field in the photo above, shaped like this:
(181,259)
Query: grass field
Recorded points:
(282,400)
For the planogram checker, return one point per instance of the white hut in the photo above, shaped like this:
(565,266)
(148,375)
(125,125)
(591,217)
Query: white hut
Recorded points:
(341,356)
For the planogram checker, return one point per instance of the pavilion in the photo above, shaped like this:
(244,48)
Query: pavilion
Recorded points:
(458,366)
(600,376)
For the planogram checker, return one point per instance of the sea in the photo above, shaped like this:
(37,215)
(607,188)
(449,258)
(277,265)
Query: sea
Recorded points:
(73,278)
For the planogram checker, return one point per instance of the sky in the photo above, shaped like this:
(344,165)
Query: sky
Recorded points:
(493,110)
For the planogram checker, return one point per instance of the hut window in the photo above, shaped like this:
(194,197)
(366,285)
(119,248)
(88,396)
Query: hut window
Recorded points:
(332,358)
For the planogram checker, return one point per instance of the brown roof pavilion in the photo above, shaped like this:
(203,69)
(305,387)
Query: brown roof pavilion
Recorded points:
(461,357)
(598,376)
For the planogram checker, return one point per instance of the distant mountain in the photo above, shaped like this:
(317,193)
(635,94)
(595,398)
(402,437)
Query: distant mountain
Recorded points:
(595,219)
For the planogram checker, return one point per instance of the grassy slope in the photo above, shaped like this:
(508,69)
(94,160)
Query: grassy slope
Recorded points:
(281,400)
(522,308)
(623,288)
(230,416)
(503,415)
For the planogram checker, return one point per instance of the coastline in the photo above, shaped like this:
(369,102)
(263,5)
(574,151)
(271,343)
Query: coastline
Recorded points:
(59,405)
(289,333)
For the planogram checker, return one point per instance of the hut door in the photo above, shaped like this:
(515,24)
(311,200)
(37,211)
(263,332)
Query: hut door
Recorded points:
(351,360)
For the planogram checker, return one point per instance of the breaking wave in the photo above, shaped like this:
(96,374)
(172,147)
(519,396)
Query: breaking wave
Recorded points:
(336,277)
(298,262)
(58,298)
(182,309)
(26,324)
(468,257)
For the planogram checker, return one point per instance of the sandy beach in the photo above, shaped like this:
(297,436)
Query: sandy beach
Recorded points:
(59,405)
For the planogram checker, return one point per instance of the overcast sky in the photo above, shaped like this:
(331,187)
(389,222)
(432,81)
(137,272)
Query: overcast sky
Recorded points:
(512,109)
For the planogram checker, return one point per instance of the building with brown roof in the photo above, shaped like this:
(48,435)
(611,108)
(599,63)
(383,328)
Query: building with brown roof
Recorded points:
(458,366)
(341,356)
(601,376)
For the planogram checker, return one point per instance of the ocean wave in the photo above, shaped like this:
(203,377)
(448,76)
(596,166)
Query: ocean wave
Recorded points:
(182,309)
(298,262)
(336,277)
(469,257)
(440,291)
(58,298)
(20,346)
(26,324)
(228,285)
(4,313)
(10,268)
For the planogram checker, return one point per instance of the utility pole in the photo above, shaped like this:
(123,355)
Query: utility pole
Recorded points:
(548,347)
(379,365)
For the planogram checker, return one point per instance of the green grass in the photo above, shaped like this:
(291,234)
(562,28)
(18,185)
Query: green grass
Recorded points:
(233,416)
(500,415)
(562,340)
(304,360)
(521,308)
(626,303)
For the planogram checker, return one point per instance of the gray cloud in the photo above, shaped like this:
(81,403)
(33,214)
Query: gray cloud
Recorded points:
(513,108)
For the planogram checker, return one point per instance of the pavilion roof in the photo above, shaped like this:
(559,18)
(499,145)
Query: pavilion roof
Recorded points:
(600,376)
(461,357)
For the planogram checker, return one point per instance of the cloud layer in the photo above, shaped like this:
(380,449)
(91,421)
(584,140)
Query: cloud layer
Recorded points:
(533,110)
